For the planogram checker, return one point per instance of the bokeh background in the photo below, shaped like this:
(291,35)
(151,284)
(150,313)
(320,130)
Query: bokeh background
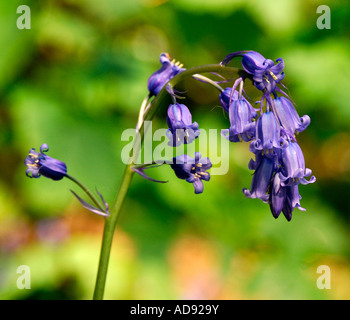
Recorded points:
(75,81)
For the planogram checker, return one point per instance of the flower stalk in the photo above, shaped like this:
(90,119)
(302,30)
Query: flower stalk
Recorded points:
(161,100)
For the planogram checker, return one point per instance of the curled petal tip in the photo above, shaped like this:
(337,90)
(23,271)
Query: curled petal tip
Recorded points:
(44,147)
(247,192)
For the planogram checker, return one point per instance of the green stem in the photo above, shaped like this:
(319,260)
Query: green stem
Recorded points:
(110,224)
(111,220)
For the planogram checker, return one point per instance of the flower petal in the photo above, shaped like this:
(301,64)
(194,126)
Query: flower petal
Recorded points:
(198,186)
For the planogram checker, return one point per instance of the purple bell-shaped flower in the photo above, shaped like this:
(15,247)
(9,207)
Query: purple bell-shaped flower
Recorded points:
(168,70)
(40,164)
(181,129)
(192,170)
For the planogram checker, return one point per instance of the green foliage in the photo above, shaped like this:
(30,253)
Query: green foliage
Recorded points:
(75,81)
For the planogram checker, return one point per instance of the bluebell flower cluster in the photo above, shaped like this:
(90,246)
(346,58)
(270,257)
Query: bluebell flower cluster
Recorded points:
(270,128)
(278,164)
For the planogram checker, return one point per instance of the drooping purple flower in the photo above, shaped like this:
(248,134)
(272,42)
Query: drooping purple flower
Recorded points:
(292,201)
(242,126)
(265,73)
(268,134)
(294,197)
(288,116)
(264,169)
(192,170)
(168,70)
(293,169)
(41,164)
(278,196)
(241,115)
(181,129)
(227,97)
(284,188)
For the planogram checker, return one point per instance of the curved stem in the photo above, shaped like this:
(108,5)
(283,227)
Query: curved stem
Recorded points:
(111,221)
(142,111)
(162,96)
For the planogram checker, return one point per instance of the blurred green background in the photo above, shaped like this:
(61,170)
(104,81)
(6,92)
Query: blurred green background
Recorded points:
(75,81)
